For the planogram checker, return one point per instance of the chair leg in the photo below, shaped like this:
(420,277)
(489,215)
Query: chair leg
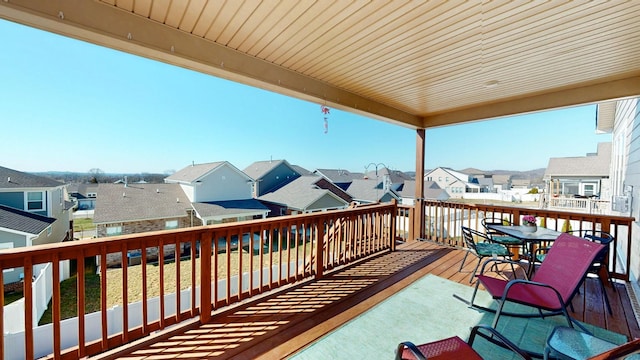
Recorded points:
(463,260)
(475,291)
(498,313)
(473,273)
(606,297)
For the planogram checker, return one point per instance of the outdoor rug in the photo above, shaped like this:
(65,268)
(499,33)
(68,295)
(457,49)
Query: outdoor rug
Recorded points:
(426,311)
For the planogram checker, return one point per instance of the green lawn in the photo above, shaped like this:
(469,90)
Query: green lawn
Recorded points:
(83,224)
(11,297)
(69,303)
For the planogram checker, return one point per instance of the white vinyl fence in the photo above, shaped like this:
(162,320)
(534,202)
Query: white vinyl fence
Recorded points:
(42,288)
(93,321)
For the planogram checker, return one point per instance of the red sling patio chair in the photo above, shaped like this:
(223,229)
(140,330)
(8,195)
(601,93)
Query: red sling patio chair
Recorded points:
(455,348)
(553,285)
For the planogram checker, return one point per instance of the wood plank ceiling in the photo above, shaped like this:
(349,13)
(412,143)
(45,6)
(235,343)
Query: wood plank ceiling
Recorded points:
(417,63)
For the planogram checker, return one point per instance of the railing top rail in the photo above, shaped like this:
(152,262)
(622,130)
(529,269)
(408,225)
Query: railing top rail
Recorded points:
(65,250)
(534,211)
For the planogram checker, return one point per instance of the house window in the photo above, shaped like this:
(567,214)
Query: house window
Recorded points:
(589,189)
(171,224)
(113,230)
(35,201)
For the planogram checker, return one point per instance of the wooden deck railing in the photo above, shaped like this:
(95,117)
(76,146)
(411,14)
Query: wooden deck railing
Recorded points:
(188,273)
(443,221)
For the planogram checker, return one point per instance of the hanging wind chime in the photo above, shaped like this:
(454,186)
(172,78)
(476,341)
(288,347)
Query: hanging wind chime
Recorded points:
(325,112)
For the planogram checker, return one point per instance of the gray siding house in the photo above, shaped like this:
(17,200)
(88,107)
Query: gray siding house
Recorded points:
(20,228)
(41,196)
(584,176)
(305,194)
(270,175)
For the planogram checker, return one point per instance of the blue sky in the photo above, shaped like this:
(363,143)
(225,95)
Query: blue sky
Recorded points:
(66,105)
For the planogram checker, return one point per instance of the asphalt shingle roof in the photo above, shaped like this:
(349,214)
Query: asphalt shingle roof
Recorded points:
(118,203)
(194,172)
(298,194)
(366,189)
(431,190)
(230,207)
(590,165)
(339,176)
(23,221)
(10,178)
(259,168)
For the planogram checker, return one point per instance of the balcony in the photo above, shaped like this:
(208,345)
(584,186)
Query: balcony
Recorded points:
(304,275)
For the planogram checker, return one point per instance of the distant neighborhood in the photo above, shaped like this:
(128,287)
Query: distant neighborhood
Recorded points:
(36,209)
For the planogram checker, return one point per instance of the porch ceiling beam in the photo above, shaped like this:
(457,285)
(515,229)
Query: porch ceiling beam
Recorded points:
(587,94)
(108,26)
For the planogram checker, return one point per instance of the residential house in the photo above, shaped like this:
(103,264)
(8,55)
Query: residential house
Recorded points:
(305,194)
(200,194)
(621,119)
(20,228)
(270,175)
(367,191)
(431,192)
(38,195)
(580,176)
(501,181)
(486,185)
(219,191)
(388,179)
(453,182)
(34,210)
(84,195)
(521,184)
(340,177)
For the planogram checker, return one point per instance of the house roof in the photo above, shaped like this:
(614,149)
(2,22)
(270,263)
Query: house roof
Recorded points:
(194,172)
(456,174)
(431,190)
(367,190)
(230,207)
(596,165)
(300,170)
(14,179)
(81,190)
(421,64)
(260,168)
(520,182)
(23,221)
(395,176)
(485,181)
(339,176)
(501,179)
(118,203)
(299,193)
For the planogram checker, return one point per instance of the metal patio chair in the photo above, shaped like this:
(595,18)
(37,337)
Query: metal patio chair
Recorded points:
(455,348)
(482,248)
(553,285)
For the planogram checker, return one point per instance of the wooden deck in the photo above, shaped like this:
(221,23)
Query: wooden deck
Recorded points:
(279,324)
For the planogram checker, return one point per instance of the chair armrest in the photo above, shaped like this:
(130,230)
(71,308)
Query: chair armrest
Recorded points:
(530,283)
(411,347)
(497,338)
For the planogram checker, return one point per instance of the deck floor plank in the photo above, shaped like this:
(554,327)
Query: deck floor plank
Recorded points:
(279,324)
